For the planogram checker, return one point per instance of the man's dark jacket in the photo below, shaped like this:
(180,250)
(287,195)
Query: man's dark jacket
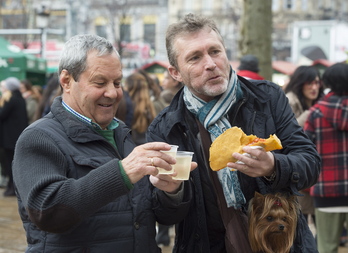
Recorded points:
(263,110)
(72,196)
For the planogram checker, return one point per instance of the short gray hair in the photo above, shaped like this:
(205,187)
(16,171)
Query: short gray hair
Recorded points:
(191,23)
(74,55)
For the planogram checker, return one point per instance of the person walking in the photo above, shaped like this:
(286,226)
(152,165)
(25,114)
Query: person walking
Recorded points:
(327,127)
(214,99)
(13,120)
(82,184)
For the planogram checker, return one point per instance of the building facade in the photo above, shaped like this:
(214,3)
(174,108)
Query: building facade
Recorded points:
(137,27)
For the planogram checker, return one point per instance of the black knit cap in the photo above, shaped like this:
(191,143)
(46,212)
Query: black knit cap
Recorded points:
(249,62)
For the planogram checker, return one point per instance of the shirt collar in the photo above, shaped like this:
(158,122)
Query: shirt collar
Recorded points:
(114,123)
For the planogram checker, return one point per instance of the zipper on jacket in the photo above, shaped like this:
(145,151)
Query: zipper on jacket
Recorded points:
(252,122)
(237,110)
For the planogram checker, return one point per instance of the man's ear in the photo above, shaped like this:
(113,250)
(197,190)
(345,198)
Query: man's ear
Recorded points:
(174,73)
(65,79)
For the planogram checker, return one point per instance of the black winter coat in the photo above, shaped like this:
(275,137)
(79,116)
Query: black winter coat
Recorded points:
(263,110)
(13,120)
(71,194)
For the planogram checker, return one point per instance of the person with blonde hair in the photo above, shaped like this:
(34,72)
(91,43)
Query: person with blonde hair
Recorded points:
(143,108)
(32,98)
(155,90)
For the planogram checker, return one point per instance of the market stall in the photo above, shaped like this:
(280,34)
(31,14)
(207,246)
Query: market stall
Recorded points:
(16,63)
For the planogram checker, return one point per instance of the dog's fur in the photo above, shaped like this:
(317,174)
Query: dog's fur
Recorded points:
(272,222)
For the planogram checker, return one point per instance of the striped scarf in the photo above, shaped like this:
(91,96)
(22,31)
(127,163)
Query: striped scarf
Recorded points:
(213,116)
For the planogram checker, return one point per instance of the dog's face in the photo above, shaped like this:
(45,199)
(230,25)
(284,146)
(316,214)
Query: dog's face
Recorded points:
(272,222)
(275,220)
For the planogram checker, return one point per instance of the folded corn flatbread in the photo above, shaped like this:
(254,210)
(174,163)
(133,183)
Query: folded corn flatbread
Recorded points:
(232,141)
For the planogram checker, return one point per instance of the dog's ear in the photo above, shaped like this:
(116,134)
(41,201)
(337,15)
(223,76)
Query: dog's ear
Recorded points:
(294,204)
(258,199)
(259,196)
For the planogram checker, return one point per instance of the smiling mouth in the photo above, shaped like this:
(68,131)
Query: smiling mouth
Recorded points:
(107,105)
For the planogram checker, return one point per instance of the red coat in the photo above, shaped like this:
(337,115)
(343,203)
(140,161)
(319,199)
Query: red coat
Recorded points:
(250,75)
(327,127)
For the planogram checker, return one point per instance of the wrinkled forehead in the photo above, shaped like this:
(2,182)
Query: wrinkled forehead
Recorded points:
(190,42)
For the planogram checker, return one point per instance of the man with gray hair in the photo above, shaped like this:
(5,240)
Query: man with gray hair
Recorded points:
(82,184)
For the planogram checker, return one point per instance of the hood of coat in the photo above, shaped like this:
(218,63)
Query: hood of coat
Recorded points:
(334,110)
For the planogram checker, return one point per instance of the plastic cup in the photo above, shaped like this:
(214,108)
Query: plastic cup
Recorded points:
(171,152)
(183,165)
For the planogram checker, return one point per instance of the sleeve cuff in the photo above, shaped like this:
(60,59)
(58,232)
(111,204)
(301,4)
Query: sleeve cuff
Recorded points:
(125,176)
(178,196)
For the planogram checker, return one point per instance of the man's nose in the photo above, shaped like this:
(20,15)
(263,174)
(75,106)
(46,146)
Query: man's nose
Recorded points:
(110,91)
(210,63)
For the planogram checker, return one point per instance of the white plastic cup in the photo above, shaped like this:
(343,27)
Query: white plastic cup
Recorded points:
(171,152)
(183,165)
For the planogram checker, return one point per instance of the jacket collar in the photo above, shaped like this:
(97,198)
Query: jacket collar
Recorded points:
(79,131)
(252,91)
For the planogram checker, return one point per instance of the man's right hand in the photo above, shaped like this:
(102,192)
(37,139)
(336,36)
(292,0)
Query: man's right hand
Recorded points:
(144,159)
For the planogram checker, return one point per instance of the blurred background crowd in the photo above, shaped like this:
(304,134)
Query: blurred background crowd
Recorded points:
(290,42)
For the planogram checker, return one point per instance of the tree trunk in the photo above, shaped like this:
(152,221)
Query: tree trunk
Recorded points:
(256,31)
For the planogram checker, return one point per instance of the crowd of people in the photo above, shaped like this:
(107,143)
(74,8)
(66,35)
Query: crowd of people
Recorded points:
(81,155)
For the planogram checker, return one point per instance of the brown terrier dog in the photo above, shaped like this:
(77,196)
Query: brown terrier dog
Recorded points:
(272,222)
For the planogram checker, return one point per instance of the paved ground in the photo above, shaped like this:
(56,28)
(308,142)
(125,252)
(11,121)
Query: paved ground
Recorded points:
(12,237)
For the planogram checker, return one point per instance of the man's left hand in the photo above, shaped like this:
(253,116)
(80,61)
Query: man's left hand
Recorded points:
(166,183)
